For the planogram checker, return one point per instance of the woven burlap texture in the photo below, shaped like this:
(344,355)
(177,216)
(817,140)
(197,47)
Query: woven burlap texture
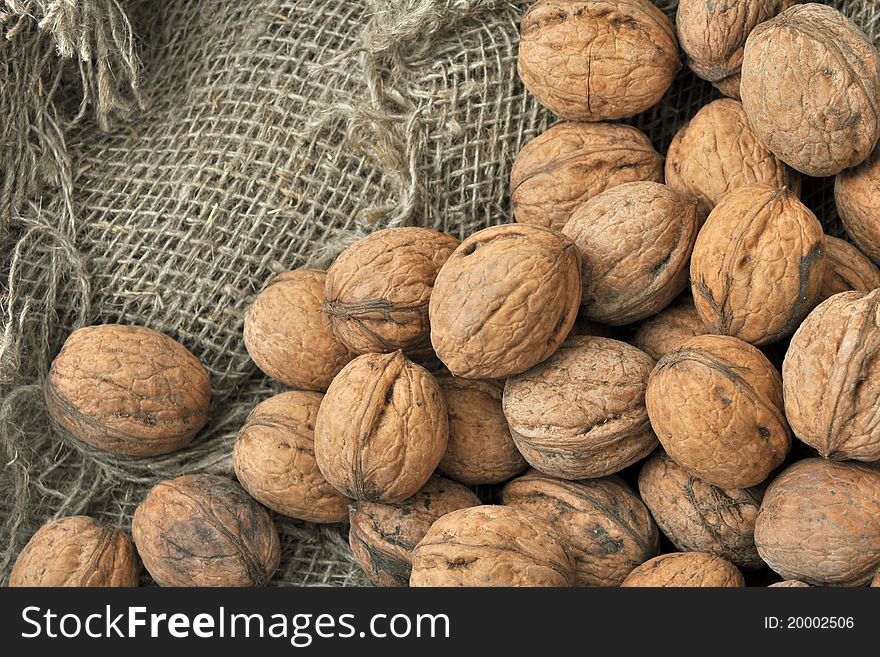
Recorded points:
(256,136)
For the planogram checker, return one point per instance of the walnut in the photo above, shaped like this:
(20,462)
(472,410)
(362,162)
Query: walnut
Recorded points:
(128,389)
(382,428)
(597,59)
(288,334)
(686,569)
(505,300)
(205,530)
(76,551)
(820,523)
(581,413)
(377,290)
(699,517)
(604,524)
(857,196)
(789,583)
(274,459)
(382,536)
(876,581)
(847,269)
(758,265)
(634,243)
(717,152)
(660,334)
(831,378)
(571,163)
(491,546)
(480,448)
(810,85)
(713,35)
(716,405)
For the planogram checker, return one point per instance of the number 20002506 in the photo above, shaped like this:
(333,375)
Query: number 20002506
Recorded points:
(809,622)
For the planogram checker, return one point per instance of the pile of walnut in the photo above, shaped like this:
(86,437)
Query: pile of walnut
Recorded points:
(606,369)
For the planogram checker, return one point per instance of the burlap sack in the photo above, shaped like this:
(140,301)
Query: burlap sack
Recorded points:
(257,136)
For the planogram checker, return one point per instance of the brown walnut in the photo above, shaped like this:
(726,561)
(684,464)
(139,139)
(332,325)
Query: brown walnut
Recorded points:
(603,523)
(820,523)
(382,428)
(377,290)
(634,242)
(382,536)
(76,551)
(288,334)
(491,546)
(581,413)
(205,530)
(715,403)
(128,389)
(876,581)
(505,300)
(847,269)
(789,584)
(758,265)
(810,85)
(685,569)
(274,459)
(571,163)
(857,196)
(660,334)
(599,59)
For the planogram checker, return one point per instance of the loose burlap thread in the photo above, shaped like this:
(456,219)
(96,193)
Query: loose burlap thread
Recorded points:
(159,166)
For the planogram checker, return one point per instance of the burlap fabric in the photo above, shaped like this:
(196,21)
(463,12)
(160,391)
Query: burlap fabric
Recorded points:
(160,161)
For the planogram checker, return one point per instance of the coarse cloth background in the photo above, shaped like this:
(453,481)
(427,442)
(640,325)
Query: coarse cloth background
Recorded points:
(160,160)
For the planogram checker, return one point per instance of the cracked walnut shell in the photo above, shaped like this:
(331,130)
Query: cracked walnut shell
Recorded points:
(76,551)
(685,569)
(128,389)
(598,59)
(857,196)
(847,269)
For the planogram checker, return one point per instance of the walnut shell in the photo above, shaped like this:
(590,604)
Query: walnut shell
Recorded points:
(832,126)
(288,334)
(857,196)
(128,389)
(789,584)
(274,459)
(758,265)
(491,546)
(377,290)
(382,536)
(76,551)
(876,581)
(714,34)
(717,152)
(571,163)
(598,59)
(505,300)
(715,403)
(205,530)
(605,526)
(847,269)
(660,334)
(634,243)
(685,569)
(381,429)
(820,523)
(831,378)
(480,448)
(581,413)
(699,517)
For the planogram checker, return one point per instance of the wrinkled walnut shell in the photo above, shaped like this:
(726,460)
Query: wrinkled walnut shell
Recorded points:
(491,546)
(847,269)
(876,581)
(382,536)
(810,85)
(377,290)
(789,584)
(715,403)
(660,334)
(205,530)
(274,459)
(634,243)
(572,162)
(128,389)
(381,429)
(76,551)
(597,60)
(820,523)
(699,517)
(603,523)
(288,334)
(685,569)
(581,413)
(857,196)
(758,265)
(505,300)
